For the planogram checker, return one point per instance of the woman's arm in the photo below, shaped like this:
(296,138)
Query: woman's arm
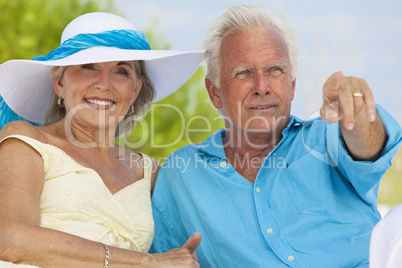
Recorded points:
(22,240)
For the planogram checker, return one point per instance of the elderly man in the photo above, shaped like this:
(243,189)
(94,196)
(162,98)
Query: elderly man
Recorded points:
(271,190)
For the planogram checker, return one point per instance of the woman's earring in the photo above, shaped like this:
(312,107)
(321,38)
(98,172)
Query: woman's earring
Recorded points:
(130,110)
(60,102)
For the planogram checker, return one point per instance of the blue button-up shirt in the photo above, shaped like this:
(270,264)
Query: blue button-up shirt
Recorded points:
(311,204)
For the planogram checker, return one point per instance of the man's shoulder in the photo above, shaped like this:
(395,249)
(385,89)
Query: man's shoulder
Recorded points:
(179,159)
(189,149)
(213,141)
(191,156)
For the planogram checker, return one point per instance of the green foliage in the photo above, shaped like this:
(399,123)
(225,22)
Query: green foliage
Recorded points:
(30,28)
(184,117)
(390,191)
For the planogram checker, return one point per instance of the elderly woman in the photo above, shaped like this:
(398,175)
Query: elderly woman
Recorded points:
(69,196)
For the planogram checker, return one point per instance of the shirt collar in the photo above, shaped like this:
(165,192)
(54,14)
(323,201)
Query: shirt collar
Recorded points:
(213,145)
(293,121)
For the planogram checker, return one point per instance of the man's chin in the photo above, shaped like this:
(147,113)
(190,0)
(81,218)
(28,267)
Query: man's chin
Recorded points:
(261,131)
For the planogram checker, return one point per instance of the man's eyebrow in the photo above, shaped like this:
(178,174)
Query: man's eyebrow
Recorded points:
(276,64)
(242,68)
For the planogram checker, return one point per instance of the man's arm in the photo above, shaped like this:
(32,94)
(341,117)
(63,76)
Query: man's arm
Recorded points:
(350,101)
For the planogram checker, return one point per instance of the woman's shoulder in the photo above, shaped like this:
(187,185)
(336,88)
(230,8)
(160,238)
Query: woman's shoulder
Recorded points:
(22,128)
(141,164)
(137,159)
(131,158)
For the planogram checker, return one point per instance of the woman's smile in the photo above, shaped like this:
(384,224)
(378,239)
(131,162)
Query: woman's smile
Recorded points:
(101,104)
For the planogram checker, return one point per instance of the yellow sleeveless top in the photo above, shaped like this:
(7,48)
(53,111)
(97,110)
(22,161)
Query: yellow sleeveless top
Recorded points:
(75,200)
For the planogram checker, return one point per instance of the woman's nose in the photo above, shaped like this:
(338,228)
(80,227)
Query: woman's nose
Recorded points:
(104,81)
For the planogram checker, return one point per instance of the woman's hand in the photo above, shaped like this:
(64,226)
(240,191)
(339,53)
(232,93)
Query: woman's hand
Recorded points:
(181,257)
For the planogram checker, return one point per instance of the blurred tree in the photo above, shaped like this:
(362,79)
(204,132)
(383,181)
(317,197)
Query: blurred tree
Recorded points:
(30,28)
(184,117)
(390,192)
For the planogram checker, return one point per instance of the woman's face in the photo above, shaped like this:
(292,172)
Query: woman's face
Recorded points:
(98,95)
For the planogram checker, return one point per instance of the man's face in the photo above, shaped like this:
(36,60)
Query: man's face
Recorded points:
(256,87)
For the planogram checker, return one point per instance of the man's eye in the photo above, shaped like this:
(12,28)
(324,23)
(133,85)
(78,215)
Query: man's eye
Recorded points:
(243,74)
(275,71)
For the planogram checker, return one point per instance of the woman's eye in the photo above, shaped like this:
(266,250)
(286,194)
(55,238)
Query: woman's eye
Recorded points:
(122,71)
(88,66)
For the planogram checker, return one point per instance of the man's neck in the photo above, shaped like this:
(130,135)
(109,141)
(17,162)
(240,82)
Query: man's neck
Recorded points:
(246,151)
(253,143)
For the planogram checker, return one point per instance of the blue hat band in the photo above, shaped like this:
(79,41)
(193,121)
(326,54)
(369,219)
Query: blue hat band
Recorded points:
(123,39)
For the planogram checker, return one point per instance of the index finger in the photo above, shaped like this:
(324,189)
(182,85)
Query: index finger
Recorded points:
(331,88)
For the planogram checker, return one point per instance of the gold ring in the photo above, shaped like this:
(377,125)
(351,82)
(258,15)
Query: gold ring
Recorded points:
(358,94)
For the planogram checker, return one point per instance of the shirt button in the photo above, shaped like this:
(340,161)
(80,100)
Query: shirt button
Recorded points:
(257,190)
(291,258)
(270,231)
(223,164)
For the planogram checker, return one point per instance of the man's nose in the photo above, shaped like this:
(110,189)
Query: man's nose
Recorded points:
(261,86)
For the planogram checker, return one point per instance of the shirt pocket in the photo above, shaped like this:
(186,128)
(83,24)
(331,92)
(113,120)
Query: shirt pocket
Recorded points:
(308,181)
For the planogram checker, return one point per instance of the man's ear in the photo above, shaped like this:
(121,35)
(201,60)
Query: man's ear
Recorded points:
(293,88)
(213,93)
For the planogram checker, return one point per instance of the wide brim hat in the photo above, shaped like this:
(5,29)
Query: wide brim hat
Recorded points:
(27,85)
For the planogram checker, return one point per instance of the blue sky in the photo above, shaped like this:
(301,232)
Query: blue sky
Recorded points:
(362,38)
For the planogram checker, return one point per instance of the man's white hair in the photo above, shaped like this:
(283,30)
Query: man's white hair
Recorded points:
(245,17)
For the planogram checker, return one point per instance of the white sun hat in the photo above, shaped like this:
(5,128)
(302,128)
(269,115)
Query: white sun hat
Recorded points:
(26,85)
